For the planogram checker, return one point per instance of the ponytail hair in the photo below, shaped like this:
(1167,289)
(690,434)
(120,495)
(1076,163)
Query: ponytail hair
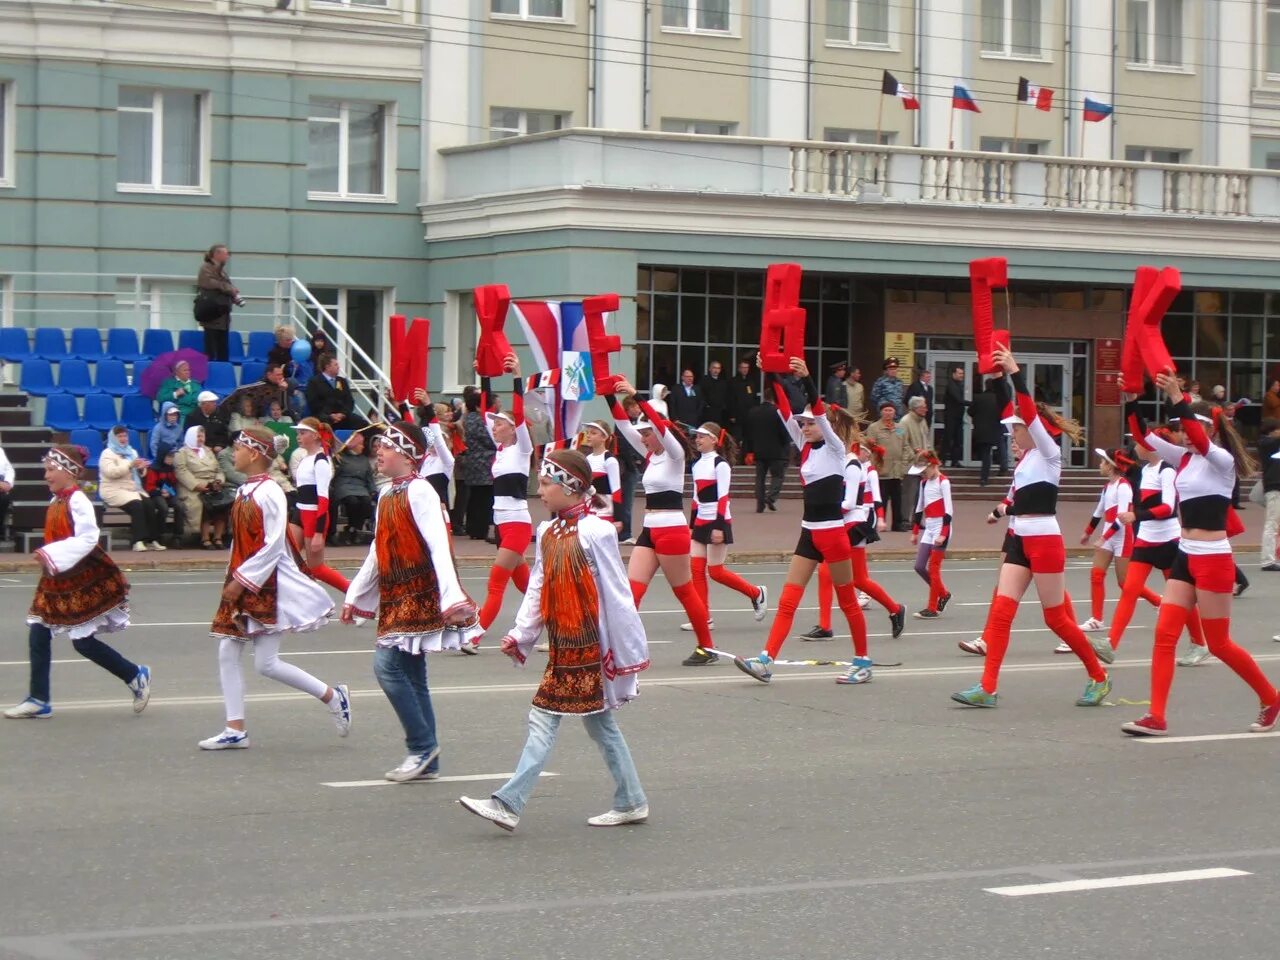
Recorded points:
(1070,427)
(1228,437)
(322,430)
(845,425)
(726,445)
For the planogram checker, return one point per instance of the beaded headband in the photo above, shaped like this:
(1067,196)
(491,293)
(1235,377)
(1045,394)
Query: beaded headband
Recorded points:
(59,460)
(253,443)
(559,475)
(398,440)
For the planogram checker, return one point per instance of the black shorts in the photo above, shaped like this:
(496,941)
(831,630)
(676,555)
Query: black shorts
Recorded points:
(1161,556)
(322,522)
(864,533)
(703,533)
(1009,539)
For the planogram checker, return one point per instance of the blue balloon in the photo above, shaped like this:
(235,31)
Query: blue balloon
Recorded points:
(300,351)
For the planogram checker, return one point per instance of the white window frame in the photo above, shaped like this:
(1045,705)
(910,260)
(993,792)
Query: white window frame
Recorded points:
(455,351)
(1005,145)
(1184,155)
(6,300)
(157,144)
(1149,31)
(853,41)
(858,137)
(9,132)
(668,124)
(389,126)
(376,6)
(522,122)
(691,20)
(1005,51)
(1270,34)
(566,13)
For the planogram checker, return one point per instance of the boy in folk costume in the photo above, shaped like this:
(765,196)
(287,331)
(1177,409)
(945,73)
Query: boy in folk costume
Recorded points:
(81,591)
(409,583)
(267,594)
(580,593)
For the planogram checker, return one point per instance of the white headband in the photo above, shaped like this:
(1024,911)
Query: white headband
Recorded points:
(397,439)
(559,475)
(61,461)
(253,443)
(306,426)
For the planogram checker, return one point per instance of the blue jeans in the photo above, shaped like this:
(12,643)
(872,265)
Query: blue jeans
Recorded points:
(603,729)
(40,648)
(403,678)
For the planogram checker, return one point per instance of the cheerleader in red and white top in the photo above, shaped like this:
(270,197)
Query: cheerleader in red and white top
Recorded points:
(712,521)
(312,477)
(606,475)
(932,531)
(665,541)
(510,470)
(437,464)
(1203,573)
(1034,550)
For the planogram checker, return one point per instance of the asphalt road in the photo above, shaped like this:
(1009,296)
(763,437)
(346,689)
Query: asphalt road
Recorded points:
(801,819)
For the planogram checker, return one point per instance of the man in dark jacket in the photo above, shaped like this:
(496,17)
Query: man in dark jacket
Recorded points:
(953,418)
(715,394)
(988,432)
(216,434)
(922,386)
(329,397)
(1268,450)
(768,441)
(744,393)
(836,392)
(684,402)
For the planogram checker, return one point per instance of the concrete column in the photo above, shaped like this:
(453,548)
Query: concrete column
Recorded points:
(1090,73)
(943,60)
(452,86)
(779,94)
(1228,96)
(618,43)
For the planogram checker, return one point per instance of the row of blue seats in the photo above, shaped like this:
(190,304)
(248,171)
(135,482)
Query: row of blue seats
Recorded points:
(62,412)
(50,343)
(73,377)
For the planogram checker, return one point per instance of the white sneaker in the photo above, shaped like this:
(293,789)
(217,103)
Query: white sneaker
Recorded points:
(471,649)
(629,542)
(1194,657)
(1092,625)
(140,686)
(340,707)
(228,739)
(139,547)
(542,647)
(413,767)
(157,545)
(711,625)
(977,647)
(491,810)
(863,600)
(1063,648)
(760,605)
(30,709)
(616,818)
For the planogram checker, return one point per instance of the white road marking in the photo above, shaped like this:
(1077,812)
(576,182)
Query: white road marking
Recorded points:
(469,778)
(1106,883)
(1211,736)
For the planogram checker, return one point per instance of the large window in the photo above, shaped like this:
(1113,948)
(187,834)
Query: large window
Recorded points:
(507,122)
(1272,28)
(347,158)
(160,143)
(844,135)
(1155,33)
(1011,28)
(528,9)
(711,128)
(710,16)
(1155,155)
(7,127)
(863,22)
(1002,145)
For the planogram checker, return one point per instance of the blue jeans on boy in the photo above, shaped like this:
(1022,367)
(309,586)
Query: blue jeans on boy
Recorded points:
(403,678)
(40,650)
(603,729)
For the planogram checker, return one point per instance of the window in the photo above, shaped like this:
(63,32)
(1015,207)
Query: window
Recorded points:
(1154,155)
(711,128)
(839,135)
(1271,161)
(862,22)
(347,157)
(528,9)
(1155,33)
(460,340)
(696,15)
(1011,28)
(1272,28)
(161,138)
(7,129)
(996,145)
(506,122)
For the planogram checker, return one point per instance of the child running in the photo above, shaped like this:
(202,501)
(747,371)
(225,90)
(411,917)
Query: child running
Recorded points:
(932,531)
(313,475)
(80,594)
(579,593)
(267,593)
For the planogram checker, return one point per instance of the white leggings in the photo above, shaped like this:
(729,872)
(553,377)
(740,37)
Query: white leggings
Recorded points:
(266,660)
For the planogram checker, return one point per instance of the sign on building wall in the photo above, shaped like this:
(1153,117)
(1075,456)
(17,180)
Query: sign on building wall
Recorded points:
(1106,388)
(902,347)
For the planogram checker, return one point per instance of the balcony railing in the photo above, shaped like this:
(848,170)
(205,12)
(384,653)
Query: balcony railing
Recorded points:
(741,165)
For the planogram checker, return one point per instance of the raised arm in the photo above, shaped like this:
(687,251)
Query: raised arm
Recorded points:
(1027,410)
(622,423)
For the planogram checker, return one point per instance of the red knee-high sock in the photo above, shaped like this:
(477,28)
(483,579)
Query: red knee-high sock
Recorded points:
(687,594)
(326,574)
(1134,581)
(1071,609)
(826,595)
(698,566)
(638,590)
(498,579)
(847,597)
(784,618)
(996,634)
(1097,591)
(862,581)
(1169,624)
(726,577)
(1196,628)
(937,589)
(520,577)
(1060,620)
(1218,633)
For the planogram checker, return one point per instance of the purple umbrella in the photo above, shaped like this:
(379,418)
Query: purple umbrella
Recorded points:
(161,369)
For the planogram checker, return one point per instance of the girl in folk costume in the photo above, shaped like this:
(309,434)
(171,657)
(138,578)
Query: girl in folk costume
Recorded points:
(824,437)
(1156,531)
(266,595)
(665,541)
(409,583)
(510,433)
(579,593)
(606,473)
(1034,550)
(313,475)
(81,592)
(712,522)
(1116,542)
(932,531)
(1203,573)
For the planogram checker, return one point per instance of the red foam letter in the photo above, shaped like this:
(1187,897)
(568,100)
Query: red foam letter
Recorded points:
(600,343)
(984,276)
(782,328)
(493,347)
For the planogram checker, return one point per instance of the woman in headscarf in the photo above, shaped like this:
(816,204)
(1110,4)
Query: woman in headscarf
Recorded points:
(198,473)
(120,485)
(166,435)
(180,388)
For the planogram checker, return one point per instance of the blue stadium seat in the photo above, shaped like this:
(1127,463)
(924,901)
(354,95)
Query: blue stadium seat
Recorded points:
(111,378)
(14,345)
(191,340)
(91,440)
(156,342)
(260,344)
(135,441)
(73,377)
(137,413)
(86,343)
(221,378)
(342,436)
(100,411)
(62,413)
(37,377)
(235,348)
(122,344)
(50,344)
(252,371)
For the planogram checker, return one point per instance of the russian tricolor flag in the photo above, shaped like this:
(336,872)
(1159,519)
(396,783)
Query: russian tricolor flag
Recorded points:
(961,99)
(1096,110)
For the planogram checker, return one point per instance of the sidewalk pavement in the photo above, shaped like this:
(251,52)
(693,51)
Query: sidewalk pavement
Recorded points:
(758,538)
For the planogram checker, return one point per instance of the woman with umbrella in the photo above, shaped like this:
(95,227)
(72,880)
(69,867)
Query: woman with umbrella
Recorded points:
(179,388)
(176,377)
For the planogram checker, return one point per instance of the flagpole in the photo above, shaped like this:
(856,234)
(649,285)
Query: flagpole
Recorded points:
(951,127)
(1084,132)
(1017,104)
(879,118)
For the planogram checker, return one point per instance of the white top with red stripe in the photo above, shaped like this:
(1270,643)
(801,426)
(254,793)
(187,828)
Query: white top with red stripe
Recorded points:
(663,477)
(1116,498)
(1156,509)
(934,510)
(711,478)
(855,482)
(607,479)
(872,499)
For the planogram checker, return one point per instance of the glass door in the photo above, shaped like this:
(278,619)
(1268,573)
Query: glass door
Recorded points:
(942,363)
(1050,380)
